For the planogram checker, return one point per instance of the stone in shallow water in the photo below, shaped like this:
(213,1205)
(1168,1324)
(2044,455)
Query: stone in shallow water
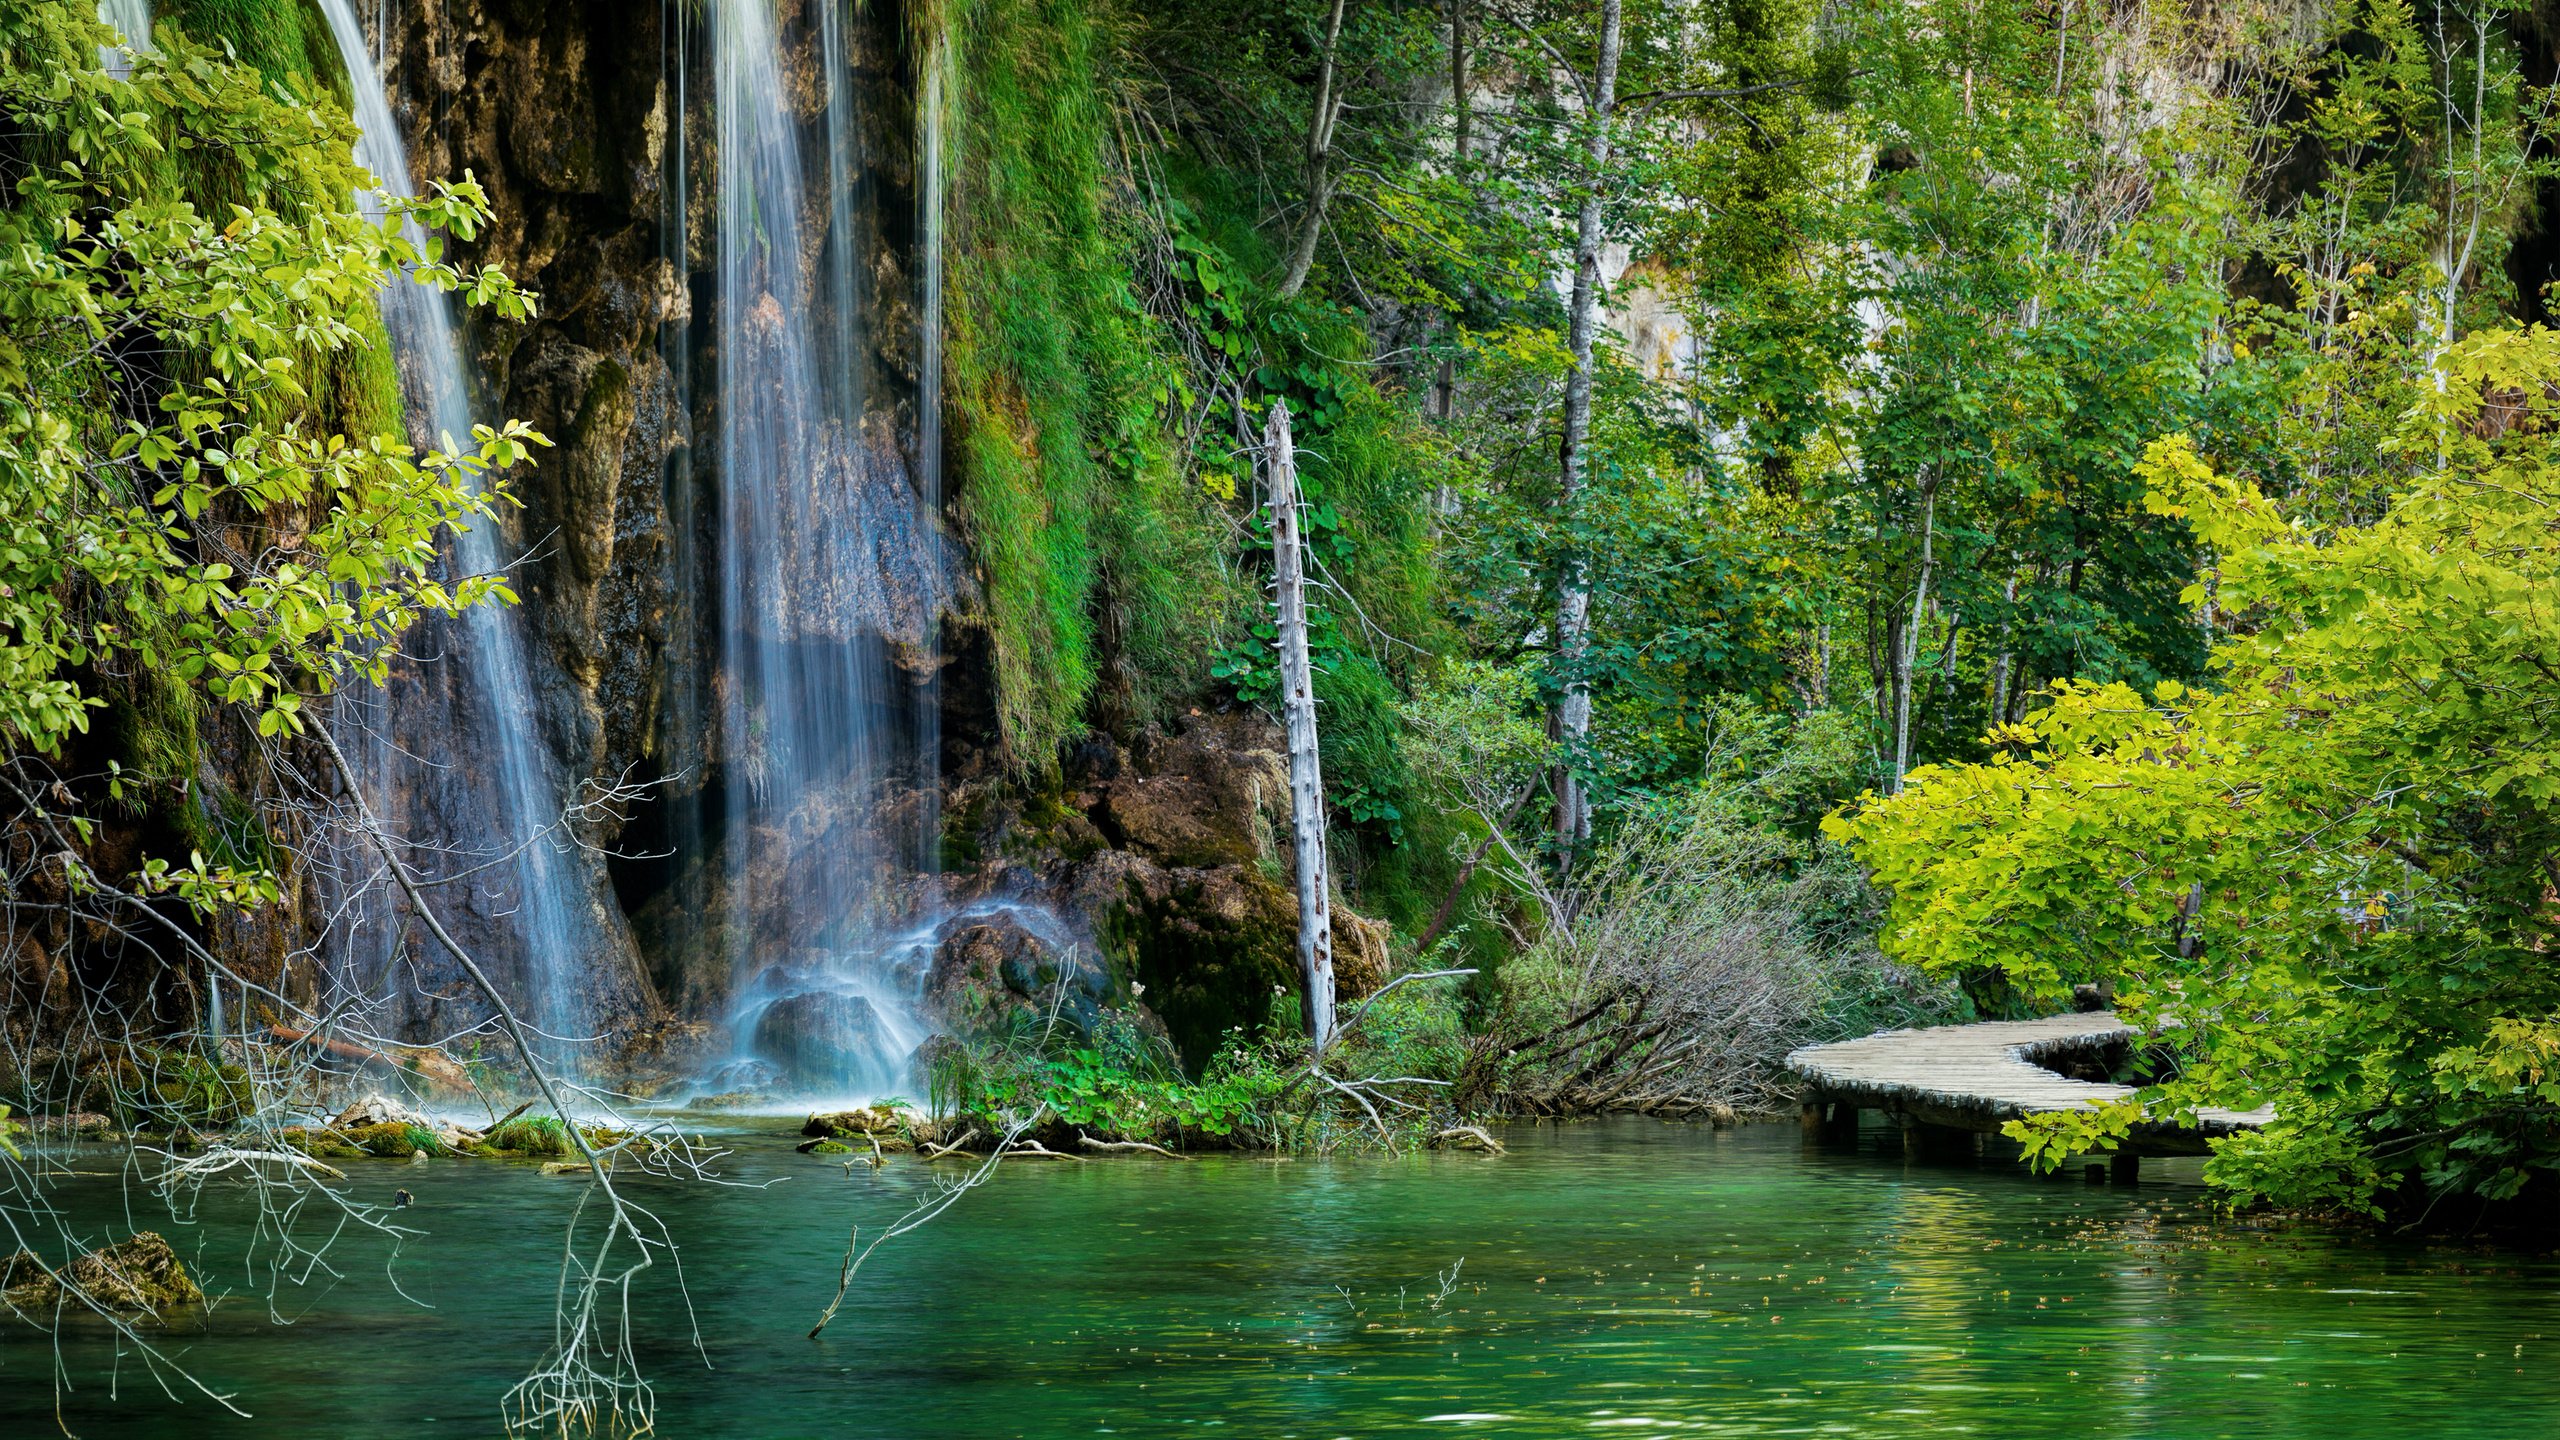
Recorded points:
(141,1275)
(826,1039)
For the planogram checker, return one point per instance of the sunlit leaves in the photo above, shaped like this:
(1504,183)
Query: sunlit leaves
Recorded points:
(2332,870)
(171,494)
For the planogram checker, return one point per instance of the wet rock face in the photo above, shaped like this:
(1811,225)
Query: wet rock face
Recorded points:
(1172,853)
(823,1040)
(561,112)
(991,974)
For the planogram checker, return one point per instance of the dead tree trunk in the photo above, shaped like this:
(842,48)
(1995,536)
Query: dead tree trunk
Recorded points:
(1572,720)
(1298,703)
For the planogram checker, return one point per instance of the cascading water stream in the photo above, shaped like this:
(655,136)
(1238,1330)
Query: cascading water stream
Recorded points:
(132,20)
(826,983)
(516,797)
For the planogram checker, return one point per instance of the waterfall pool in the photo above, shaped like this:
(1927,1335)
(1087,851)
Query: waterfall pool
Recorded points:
(1612,1278)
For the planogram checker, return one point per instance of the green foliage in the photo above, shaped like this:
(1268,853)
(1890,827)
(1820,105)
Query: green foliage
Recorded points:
(541,1136)
(1121,1083)
(2332,868)
(2050,1139)
(1061,396)
(286,41)
(172,501)
(167,1088)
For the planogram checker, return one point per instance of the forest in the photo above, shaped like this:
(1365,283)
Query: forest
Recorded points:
(1037,717)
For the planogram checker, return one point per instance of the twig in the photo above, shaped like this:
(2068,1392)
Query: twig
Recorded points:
(1090,1143)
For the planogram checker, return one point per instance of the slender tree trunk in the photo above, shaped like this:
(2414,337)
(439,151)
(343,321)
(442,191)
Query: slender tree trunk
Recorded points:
(1906,655)
(2000,664)
(1461,107)
(1320,122)
(1572,720)
(1298,702)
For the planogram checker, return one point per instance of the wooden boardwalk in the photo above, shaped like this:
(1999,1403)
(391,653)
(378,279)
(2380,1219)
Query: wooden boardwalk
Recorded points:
(1975,1078)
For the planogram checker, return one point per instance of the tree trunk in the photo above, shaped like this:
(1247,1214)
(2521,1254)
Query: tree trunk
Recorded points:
(1906,655)
(2001,663)
(1459,103)
(1572,720)
(1320,121)
(1298,702)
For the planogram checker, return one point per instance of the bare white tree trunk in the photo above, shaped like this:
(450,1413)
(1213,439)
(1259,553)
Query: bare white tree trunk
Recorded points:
(1572,720)
(1298,704)
(1320,123)
(1907,654)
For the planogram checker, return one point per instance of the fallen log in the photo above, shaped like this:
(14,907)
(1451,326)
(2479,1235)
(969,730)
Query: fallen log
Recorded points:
(432,1065)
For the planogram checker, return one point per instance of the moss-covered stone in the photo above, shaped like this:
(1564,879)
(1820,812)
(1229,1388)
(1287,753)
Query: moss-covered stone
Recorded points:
(394,1140)
(139,1276)
(528,1137)
(320,1144)
(871,1125)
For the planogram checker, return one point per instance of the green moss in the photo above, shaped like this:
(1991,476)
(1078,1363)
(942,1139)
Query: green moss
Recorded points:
(392,1140)
(1058,383)
(320,1144)
(287,41)
(531,1135)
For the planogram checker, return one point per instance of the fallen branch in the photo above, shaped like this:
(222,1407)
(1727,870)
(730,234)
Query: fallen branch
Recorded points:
(936,1152)
(1090,1143)
(215,1162)
(434,1065)
(1469,1137)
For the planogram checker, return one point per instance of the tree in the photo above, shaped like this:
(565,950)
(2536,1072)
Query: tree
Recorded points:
(179,503)
(2331,871)
(1298,706)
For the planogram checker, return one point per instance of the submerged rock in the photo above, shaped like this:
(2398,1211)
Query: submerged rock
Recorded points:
(137,1276)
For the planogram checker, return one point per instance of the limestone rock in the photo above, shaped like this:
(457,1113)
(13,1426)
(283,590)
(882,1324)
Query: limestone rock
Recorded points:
(825,1038)
(139,1276)
(992,968)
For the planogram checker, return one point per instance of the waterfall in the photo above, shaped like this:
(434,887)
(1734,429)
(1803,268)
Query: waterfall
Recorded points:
(498,799)
(818,526)
(132,20)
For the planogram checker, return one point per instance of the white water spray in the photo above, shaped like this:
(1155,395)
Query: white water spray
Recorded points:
(132,20)
(515,793)
(812,712)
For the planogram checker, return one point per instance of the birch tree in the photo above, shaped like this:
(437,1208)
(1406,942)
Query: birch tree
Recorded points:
(1298,704)
(1572,719)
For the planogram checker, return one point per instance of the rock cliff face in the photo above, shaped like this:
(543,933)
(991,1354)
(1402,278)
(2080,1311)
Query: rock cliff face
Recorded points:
(588,123)
(563,112)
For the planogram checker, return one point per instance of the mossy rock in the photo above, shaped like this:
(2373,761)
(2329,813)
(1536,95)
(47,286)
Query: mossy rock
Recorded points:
(394,1141)
(320,1144)
(530,1137)
(825,1147)
(873,1125)
(137,1276)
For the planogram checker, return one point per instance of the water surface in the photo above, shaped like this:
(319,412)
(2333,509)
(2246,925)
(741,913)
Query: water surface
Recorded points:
(1620,1278)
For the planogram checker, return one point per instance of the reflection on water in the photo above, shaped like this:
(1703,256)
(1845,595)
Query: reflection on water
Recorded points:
(1619,1278)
